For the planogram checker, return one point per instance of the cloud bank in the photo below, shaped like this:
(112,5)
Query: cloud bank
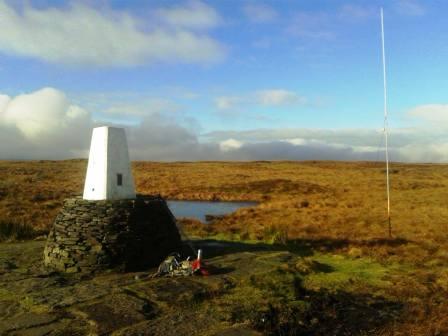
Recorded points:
(84,35)
(433,113)
(42,124)
(269,97)
(45,125)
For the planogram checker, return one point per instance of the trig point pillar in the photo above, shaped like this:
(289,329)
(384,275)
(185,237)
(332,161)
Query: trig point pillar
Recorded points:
(109,174)
(109,227)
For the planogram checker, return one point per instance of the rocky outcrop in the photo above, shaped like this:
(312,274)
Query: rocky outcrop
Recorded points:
(125,234)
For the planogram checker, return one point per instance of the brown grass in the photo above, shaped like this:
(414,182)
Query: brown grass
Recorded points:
(302,200)
(333,207)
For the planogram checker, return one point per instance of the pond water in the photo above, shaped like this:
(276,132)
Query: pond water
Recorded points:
(199,209)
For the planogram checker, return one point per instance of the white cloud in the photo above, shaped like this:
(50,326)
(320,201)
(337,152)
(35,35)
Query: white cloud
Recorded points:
(4,101)
(230,144)
(46,111)
(227,102)
(410,8)
(435,113)
(363,150)
(45,125)
(408,145)
(260,13)
(300,136)
(356,12)
(271,97)
(195,15)
(142,108)
(425,152)
(42,124)
(297,141)
(314,25)
(84,35)
(324,25)
(278,97)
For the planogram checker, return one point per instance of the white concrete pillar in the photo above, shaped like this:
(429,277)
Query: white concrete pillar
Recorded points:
(109,175)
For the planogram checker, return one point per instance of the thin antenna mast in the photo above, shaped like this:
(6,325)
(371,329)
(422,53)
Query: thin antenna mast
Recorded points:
(386,123)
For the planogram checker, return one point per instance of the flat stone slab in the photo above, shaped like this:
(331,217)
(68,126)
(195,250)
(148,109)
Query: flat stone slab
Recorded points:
(116,312)
(8,308)
(27,320)
(41,330)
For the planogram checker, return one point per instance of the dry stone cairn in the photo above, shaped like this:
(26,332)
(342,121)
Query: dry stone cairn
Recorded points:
(110,227)
(124,234)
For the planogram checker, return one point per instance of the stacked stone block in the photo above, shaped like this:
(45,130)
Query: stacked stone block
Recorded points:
(127,235)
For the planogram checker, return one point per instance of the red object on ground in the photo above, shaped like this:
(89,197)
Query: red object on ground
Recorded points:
(198,268)
(196,265)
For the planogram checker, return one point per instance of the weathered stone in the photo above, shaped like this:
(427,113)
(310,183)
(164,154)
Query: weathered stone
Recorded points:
(27,320)
(42,330)
(125,234)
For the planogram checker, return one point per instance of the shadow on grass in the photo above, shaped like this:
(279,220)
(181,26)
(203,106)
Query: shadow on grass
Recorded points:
(338,313)
(300,247)
(312,312)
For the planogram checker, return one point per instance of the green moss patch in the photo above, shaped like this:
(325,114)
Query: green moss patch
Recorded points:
(341,272)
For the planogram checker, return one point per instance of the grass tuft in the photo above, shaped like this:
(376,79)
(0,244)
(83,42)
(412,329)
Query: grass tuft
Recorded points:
(16,230)
(276,234)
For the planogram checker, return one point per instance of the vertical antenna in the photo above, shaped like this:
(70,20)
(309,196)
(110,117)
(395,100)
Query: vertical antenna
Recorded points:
(386,123)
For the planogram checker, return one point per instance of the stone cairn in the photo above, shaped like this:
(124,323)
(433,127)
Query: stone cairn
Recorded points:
(126,235)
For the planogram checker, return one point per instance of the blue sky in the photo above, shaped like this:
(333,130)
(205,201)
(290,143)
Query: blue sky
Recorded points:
(234,78)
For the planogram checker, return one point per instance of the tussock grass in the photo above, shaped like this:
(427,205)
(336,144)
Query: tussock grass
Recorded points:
(16,230)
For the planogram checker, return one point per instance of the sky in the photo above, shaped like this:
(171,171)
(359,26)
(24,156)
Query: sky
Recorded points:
(224,80)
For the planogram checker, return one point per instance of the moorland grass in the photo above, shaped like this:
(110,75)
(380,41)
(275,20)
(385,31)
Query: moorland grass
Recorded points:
(315,208)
